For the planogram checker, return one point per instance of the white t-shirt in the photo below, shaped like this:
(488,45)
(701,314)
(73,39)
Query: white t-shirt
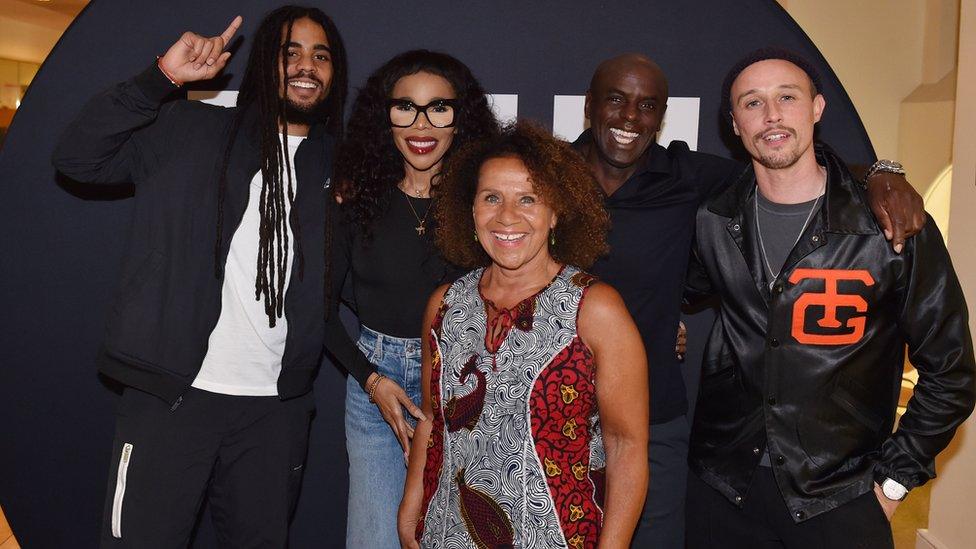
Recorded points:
(244,354)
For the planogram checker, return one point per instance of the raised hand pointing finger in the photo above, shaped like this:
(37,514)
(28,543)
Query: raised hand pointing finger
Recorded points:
(194,57)
(231,29)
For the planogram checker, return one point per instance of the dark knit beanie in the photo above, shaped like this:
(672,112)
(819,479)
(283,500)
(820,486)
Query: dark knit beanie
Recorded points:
(762,54)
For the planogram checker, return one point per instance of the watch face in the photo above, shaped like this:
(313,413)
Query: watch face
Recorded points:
(889,166)
(893,491)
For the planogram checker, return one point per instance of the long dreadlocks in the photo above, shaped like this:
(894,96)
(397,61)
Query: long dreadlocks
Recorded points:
(263,89)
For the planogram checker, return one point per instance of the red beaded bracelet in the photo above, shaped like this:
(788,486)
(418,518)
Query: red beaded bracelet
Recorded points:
(175,82)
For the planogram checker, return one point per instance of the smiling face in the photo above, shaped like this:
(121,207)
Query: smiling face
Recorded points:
(625,106)
(422,145)
(511,220)
(306,66)
(774,109)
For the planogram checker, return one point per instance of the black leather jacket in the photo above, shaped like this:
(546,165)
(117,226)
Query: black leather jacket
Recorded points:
(812,368)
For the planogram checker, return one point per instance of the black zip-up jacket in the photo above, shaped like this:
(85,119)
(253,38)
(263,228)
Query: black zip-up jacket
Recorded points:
(169,297)
(811,369)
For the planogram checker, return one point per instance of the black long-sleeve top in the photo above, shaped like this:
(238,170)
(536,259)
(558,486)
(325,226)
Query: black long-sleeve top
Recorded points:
(394,270)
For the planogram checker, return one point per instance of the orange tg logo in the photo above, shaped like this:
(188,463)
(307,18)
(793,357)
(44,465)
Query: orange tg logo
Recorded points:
(830,300)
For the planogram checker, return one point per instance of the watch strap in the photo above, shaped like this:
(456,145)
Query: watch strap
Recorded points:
(887,166)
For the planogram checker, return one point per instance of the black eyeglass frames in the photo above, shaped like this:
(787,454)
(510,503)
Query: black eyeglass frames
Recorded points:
(440,112)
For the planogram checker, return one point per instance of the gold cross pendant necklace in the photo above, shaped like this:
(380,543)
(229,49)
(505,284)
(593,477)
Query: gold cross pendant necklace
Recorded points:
(421,221)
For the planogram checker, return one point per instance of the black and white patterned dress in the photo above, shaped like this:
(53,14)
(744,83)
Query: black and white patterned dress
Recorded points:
(515,457)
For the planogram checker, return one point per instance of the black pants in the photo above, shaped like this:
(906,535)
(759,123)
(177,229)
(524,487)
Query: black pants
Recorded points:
(662,522)
(245,454)
(764,522)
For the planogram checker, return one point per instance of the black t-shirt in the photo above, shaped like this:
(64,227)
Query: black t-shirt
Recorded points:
(652,218)
(396,269)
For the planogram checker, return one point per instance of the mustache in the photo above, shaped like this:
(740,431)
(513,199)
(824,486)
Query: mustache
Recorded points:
(303,75)
(760,135)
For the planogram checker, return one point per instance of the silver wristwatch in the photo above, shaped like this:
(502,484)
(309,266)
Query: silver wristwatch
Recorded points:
(889,166)
(893,490)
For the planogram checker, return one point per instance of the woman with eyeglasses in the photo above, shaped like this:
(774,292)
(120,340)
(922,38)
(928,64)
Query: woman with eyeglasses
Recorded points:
(408,118)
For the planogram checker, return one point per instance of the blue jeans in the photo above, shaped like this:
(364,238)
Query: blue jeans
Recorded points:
(376,468)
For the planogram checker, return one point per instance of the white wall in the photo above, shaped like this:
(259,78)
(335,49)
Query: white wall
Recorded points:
(951,523)
(876,49)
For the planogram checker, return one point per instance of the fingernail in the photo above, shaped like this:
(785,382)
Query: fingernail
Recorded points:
(898,248)
(887,234)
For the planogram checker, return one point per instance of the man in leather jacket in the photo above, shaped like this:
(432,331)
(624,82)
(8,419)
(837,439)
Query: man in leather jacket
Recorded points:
(792,442)
(655,190)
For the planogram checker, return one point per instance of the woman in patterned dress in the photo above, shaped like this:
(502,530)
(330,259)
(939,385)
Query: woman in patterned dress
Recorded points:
(537,405)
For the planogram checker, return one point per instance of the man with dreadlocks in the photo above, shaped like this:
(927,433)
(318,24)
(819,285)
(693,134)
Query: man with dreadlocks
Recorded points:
(218,323)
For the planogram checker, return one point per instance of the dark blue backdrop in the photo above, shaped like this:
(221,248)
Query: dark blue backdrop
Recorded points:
(62,244)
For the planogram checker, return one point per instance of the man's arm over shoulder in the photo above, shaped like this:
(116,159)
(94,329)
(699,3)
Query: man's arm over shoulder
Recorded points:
(713,173)
(935,322)
(698,286)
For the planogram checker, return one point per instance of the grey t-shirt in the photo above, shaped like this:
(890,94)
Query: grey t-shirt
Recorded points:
(779,228)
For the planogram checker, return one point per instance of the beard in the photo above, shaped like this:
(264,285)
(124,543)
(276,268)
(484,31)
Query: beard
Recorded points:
(306,114)
(296,113)
(779,159)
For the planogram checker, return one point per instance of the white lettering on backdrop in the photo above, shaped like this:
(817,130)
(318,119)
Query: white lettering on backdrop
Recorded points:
(568,120)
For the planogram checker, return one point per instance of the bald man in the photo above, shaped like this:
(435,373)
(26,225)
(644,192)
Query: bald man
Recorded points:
(652,196)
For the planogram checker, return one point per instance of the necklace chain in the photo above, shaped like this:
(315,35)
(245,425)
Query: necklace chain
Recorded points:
(417,193)
(762,246)
(421,221)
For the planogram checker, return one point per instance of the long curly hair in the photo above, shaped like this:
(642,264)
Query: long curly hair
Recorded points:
(369,165)
(559,175)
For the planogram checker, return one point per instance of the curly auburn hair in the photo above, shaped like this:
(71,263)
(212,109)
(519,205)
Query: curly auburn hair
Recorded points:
(559,175)
(368,165)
